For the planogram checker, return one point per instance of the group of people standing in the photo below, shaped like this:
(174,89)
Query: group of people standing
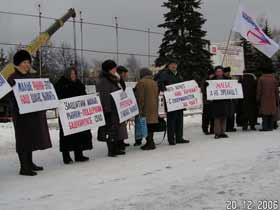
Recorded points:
(32,132)
(261,99)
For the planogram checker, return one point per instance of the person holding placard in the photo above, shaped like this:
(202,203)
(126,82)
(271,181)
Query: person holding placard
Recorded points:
(31,130)
(220,109)
(123,72)
(70,86)
(115,132)
(146,92)
(175,119)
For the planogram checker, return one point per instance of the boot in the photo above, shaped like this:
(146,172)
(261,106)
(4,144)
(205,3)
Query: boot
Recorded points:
(121,145)
(138,142)
(150,144)
(25,167)
(67,158)
(118,148)
(111,149)
(34,167)
(183,141)
(79,157)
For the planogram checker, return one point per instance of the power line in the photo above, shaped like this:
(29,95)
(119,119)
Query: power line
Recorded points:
(84,22)
(84,50)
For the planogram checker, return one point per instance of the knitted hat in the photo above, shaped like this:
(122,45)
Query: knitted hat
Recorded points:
(121,69)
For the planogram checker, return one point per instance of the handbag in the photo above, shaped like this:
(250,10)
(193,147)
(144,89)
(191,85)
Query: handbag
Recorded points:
(104,134)
(141,129)
(158,127)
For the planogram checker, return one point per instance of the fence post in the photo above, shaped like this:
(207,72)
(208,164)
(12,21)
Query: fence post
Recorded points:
(117,38)
(149,46)
(41,49)
(82,47)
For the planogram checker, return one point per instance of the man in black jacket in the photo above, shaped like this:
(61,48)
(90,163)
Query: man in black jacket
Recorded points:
(175,119)
(207,119)
(231,118)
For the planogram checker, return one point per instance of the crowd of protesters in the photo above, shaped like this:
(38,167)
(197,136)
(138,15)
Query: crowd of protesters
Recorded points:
(261,99)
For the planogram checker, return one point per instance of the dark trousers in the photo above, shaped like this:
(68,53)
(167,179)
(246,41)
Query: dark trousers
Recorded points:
(175,126)
(230,123)
(267,123)
(207,120)
(220,126)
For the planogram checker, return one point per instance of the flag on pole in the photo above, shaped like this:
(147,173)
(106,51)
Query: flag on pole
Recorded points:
(249,29)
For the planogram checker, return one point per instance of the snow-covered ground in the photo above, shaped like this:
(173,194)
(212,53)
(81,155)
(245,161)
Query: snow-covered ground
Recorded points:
(200,176)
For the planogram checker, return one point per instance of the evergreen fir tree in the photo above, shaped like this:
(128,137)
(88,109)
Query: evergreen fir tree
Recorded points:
(184,39)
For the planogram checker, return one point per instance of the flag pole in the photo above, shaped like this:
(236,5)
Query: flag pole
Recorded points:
(228,41)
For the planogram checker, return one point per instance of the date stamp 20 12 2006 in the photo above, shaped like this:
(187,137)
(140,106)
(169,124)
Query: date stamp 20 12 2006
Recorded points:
(252,205)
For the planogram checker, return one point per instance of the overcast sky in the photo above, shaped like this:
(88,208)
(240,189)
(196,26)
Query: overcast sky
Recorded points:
(141,14)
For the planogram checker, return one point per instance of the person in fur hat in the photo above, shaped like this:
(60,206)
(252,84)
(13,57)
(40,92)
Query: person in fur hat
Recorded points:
(31,130)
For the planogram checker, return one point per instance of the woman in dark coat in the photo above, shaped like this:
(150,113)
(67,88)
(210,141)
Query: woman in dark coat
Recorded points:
(70,86)
(220,108)
(108,82)
(249,104)
(31,130)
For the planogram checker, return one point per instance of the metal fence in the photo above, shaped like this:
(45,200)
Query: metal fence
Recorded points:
(84,43)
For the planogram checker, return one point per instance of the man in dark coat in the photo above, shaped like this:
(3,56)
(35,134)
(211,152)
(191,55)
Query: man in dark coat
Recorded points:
(220,109)
(207,118)
(233,103)
(249,103)
(31,130)
(175,119)
(109,82)
(268,98)
(70,86)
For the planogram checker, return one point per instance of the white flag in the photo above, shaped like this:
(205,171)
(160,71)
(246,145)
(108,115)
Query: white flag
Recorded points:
(249,29)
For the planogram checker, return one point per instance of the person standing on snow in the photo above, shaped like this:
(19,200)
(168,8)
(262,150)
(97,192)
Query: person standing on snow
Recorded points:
(69,86)
(108,82)
(220,109)
(123,72)
(233,103)
(268,98)
(31,129)
(146,93)
(175,119)
(207,119)
(249,102)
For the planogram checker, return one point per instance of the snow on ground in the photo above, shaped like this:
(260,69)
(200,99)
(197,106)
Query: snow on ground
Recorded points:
(200,176)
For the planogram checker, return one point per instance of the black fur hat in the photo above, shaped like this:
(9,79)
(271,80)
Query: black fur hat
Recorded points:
(20,56)
(108,65)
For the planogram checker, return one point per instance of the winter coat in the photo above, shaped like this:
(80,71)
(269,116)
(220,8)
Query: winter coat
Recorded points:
(167,77)
(105,85)
(31,129)
(78,141)
(146,93)
(249,102)
(267,94)
(221,108)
